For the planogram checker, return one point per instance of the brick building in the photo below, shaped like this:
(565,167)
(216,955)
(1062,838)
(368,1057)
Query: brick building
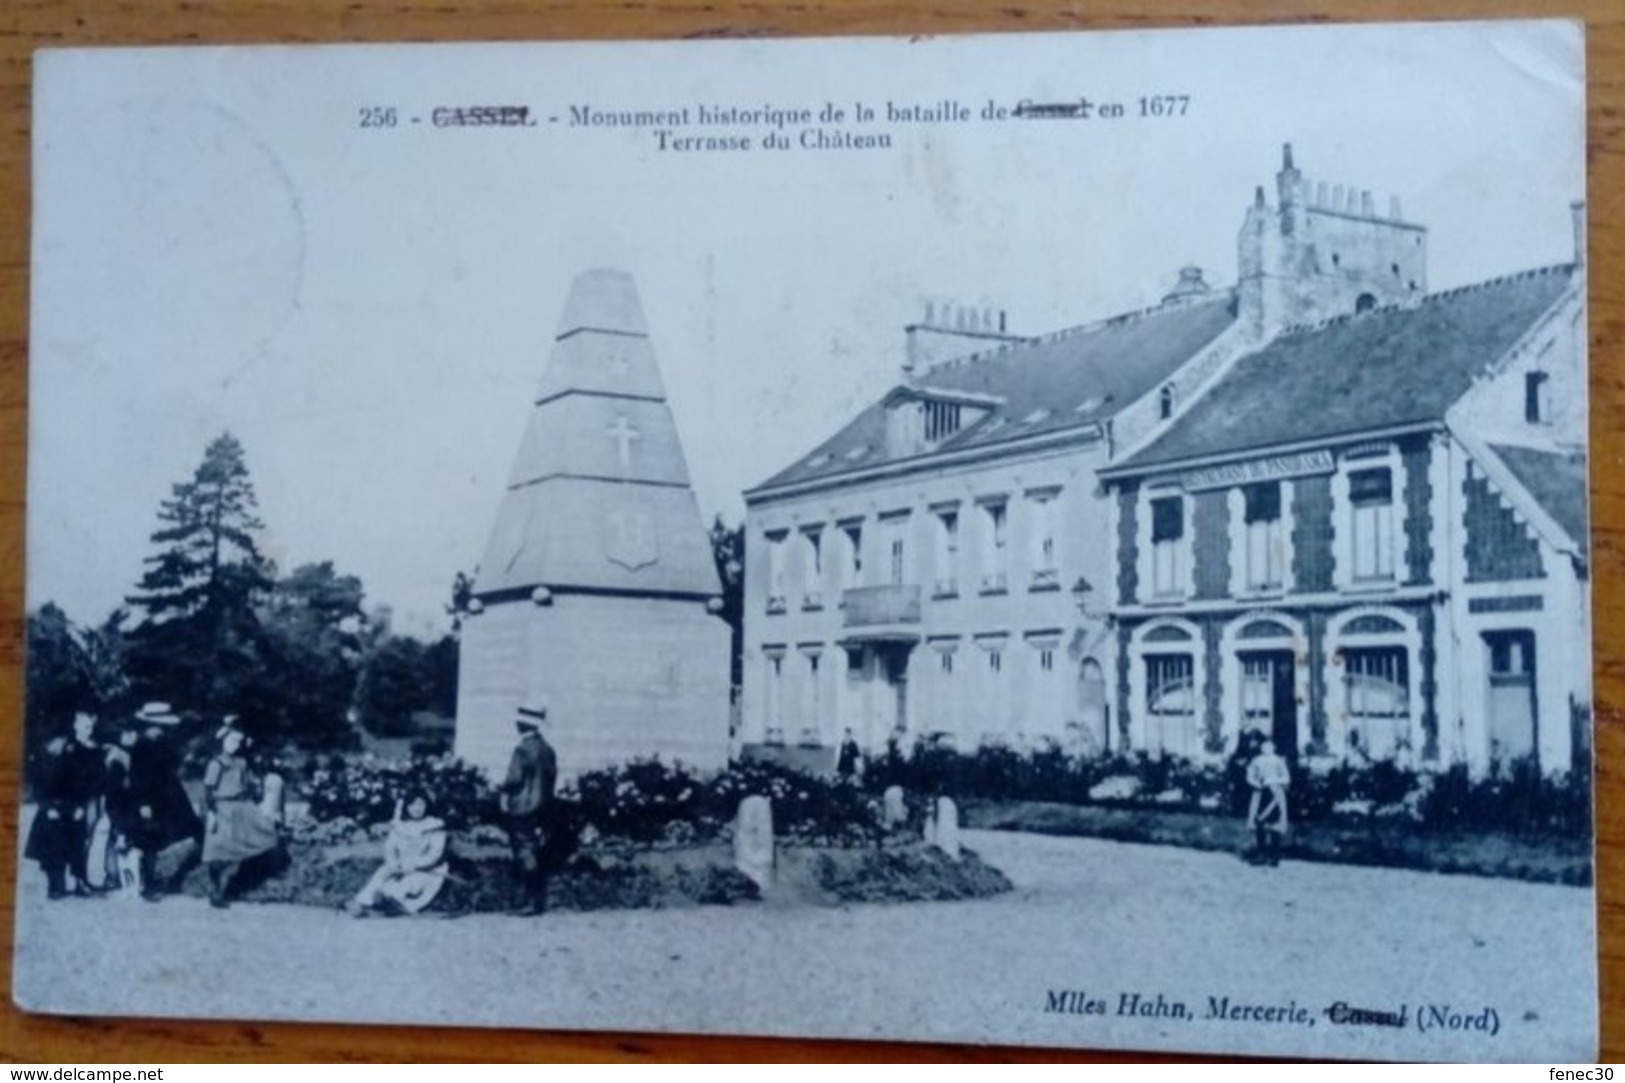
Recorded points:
(1368,537)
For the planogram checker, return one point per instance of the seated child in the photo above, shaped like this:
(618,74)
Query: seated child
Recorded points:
(414,867)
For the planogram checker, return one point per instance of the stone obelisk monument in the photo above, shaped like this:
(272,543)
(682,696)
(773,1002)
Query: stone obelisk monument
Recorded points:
(597,591)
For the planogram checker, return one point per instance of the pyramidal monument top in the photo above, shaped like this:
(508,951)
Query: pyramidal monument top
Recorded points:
(599,496)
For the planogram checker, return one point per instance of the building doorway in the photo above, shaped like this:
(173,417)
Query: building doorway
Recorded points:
(1513,717)
(1269,701)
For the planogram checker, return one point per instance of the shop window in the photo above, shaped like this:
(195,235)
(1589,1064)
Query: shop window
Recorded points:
(1376,681)
(1170,685)
(1170,701)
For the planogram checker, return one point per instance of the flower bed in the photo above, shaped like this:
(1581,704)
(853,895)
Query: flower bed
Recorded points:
(642,803)
(646,835)
(483,880)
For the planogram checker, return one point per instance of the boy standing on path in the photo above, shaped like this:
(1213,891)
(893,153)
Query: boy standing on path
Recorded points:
(527,791)
(1268,776)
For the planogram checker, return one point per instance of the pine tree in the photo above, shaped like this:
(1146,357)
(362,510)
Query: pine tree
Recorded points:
(198,642)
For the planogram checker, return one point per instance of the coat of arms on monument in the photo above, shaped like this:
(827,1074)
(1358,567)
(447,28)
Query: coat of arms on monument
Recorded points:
(630,540)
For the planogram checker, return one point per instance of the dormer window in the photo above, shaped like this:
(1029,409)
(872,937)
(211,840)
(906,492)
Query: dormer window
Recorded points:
(942,420)
(918,421)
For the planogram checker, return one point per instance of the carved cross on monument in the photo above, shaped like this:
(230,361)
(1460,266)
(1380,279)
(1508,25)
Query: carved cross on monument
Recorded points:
(623,434)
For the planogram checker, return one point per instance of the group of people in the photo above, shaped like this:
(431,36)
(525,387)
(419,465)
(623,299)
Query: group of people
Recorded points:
(108,810)
(100,803)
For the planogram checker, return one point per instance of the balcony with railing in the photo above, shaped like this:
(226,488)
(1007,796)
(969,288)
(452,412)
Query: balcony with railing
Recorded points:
(886,612)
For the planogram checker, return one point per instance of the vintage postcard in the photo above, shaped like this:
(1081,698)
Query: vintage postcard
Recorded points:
(1072,540)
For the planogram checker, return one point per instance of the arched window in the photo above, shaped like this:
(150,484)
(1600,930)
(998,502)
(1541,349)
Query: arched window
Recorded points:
(1365,303)
(1168,682)
(1374,658)
(1165,402)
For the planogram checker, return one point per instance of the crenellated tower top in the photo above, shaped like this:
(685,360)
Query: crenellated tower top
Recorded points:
(1323,250)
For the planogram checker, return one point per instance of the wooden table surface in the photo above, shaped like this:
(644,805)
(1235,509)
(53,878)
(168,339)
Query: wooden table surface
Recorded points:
(29,24)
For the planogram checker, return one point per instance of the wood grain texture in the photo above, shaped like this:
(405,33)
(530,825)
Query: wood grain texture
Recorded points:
(29,24)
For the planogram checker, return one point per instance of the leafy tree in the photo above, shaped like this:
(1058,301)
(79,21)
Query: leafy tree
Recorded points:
(199,641)
(56,685)
(440,662)
(70,669)
(312,633)
(402,677)
(392,687)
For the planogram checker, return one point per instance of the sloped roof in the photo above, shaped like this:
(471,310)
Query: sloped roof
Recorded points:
(1061,381)
(1557,481)
(1379,369)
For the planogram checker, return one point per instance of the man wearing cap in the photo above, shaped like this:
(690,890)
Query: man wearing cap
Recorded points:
(526,793)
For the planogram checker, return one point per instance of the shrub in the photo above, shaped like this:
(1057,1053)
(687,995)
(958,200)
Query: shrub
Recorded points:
(364,789)
(648,802)
(1518,799)
(643,800)
(1315,794)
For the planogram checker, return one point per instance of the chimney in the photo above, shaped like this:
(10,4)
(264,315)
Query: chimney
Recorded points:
(950,330)
(1577,210)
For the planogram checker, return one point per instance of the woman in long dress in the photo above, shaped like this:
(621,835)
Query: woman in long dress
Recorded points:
(237,827)
(414,865)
